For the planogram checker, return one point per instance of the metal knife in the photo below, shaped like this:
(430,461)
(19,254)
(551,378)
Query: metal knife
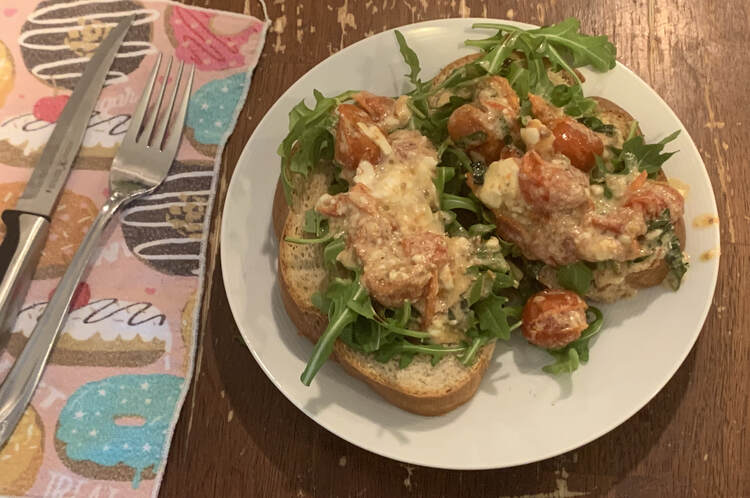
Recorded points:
(27,225)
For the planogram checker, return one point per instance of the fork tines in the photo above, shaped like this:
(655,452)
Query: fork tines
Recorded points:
(148,132)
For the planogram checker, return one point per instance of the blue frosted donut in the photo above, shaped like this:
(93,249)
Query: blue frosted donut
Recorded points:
(87,422)
(211,109)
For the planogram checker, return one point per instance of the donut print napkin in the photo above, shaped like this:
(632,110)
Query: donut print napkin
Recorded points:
(102,419)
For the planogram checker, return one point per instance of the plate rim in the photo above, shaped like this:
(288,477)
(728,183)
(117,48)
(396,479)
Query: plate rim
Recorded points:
(617,421)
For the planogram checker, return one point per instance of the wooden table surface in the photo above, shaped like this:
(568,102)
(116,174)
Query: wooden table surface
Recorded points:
(239,436)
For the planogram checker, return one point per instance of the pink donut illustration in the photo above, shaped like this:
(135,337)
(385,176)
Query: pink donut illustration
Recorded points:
(199,41)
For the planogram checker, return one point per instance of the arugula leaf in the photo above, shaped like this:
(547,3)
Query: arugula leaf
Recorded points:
(403,314)
(578,49)
(456,157)
(563,44)
(461,76)
(332,250)
(366,335)
(388,325)
(315,223)
(576,277)
(566,361)
(675,259)
(596,124)
(481,287)
(492,260)
(444,175)
(309,139)
(481,229)
(568,358)
(411,59)
(503,281)
(471,352)
(492,316)
(449,202)
(493,61)
(340,315)
(519,78)
(636,153)
(399,348)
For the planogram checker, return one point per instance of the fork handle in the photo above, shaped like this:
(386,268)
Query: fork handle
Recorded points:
(19,386)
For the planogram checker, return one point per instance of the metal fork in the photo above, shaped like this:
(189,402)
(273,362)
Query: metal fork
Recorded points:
(138,168)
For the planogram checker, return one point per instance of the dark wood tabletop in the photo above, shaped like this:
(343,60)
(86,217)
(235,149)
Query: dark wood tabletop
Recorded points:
(239,436)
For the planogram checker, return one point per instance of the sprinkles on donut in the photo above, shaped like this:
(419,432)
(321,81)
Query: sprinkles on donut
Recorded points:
(115,428)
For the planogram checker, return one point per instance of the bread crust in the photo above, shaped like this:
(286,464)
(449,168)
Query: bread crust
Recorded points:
(613,114)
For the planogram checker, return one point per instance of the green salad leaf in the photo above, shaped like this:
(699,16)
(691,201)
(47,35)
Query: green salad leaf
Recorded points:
(339,296)
(310,138)
(315,224)
(568,358)
(411,59)
(576,277)
(562,45)
(636,153)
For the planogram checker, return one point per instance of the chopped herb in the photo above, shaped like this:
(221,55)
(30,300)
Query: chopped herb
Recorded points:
(675,259)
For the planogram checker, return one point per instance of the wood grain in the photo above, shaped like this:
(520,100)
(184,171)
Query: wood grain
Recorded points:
(238,436)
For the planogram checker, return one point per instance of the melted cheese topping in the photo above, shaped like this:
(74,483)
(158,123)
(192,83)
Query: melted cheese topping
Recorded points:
(618,184)
(500,186)
(395,232)
(376,135)
(405,190)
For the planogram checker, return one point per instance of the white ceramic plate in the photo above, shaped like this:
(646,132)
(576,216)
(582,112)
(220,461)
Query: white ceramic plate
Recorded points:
(519,414)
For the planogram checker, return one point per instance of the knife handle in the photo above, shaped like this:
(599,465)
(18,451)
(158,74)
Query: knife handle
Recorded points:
(25,235)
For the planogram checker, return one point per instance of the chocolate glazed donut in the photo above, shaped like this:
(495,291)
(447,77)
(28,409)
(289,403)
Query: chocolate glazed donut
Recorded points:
(76,31)
(164,229)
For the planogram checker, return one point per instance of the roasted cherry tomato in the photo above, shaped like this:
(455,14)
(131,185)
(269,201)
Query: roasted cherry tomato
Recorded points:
(653,197)
(577,142)
(550,186)
(376,106)
(352,145)
(554,318)
(428,247)
(477,131)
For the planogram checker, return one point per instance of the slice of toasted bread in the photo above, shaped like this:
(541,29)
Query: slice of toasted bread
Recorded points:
(419,388)
(609,113)
(622,120)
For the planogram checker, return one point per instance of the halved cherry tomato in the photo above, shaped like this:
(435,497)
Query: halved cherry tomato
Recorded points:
(352,145)
(554,318)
